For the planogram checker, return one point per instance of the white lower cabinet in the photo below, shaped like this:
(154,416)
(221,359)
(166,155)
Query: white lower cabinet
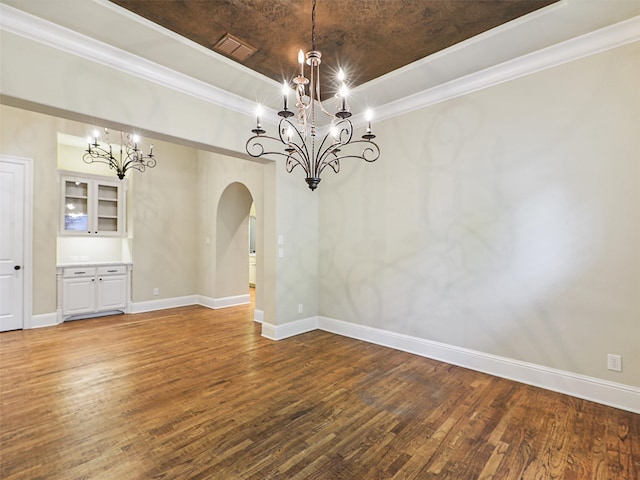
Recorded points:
(93,290)
(79,293)
(112,291)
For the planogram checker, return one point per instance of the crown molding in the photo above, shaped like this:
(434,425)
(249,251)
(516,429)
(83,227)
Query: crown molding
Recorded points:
(607,38)
(52,35)
(42,31)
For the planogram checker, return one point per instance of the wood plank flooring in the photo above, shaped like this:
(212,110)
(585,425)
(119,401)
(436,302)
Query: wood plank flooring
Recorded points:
(193,393)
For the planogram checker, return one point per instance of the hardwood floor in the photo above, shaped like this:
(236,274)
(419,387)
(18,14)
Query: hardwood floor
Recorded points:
(193,393)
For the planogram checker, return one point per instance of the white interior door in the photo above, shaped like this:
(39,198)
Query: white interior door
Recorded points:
(12,213)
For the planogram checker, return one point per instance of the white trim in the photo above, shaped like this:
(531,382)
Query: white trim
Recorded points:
(225,302)
(613,394)
(607,38)
(152,305)
(258,316)
(162,304)
(28,243)
(43,320)
(286,330)
(206,301)
(27,238)
(50,34)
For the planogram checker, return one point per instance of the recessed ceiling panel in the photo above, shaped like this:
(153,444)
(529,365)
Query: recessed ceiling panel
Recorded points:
(367,38)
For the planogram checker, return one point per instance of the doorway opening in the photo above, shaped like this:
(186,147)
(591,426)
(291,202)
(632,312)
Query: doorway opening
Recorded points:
(237,246)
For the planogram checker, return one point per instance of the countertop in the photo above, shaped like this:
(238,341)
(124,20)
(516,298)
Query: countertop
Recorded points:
(92,264)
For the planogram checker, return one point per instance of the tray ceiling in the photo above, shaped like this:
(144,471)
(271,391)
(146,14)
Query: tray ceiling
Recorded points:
(368,38)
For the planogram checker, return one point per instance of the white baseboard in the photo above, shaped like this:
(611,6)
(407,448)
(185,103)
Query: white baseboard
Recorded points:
(43,320)
(616,395)
(153,305)
(206,301)
(258,316)
(164,303)
(225,302)
(286,330)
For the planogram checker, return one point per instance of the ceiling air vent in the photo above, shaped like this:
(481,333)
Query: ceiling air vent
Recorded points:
(234,48)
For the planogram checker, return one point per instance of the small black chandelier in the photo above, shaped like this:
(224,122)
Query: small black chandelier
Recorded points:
(130,155)
(301,148)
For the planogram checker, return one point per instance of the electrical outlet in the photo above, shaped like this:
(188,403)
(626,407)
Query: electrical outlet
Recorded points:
(614,362)
(156,292)
(299,308)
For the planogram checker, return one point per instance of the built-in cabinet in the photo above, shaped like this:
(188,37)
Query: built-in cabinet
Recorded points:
(92,206)
(91,290)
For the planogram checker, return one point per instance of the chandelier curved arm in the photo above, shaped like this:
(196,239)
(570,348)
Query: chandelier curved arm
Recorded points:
(138,161)
(318,97)
(340,134)
(297,150)
(370,153)
(257,150)
(294,154)
(331,157)
(97,154)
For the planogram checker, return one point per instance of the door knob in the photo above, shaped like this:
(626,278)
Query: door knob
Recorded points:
(17,267)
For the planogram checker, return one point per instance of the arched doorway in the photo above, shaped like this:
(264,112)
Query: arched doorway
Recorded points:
(233,245)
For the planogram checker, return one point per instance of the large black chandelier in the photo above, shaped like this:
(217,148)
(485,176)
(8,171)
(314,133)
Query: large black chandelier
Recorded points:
(129,156)
(297,141)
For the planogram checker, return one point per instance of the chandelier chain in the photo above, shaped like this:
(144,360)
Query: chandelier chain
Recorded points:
(313,25)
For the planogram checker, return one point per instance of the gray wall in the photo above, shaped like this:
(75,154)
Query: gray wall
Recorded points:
(506,221)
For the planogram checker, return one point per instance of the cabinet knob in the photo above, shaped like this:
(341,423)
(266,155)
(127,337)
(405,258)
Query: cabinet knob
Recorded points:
(17,267)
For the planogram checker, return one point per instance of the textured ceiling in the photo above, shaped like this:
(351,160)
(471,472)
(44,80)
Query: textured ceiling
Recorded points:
(367,38)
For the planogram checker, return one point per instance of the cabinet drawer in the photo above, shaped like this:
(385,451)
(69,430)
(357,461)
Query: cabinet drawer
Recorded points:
(112,270)
(79,272)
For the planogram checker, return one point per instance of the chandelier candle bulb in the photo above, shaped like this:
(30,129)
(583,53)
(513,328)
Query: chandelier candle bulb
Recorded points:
(343,94)
(285,94)
(368,115)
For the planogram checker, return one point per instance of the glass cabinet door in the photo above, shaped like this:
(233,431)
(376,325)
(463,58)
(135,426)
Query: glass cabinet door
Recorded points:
(107,208)
(76,206)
